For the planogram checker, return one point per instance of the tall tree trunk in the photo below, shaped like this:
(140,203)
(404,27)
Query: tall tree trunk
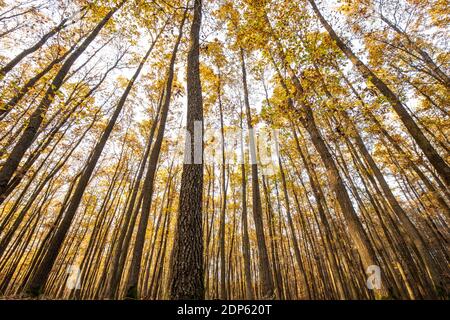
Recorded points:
(294,240)
(249,294)
(131,211)
(264,264)
(319,197)
(223,206)
(187,277)
(356,229)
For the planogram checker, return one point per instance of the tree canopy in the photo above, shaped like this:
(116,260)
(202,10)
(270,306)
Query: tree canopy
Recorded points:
(248,149)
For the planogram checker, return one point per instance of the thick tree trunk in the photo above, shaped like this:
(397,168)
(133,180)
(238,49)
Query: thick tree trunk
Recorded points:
(186,278)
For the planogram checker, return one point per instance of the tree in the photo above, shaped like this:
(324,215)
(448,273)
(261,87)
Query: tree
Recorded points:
(186,281)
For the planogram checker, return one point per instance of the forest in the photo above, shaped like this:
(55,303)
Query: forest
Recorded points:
(226,149)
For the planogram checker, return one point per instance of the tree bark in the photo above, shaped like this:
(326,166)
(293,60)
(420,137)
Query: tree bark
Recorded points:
(186,278)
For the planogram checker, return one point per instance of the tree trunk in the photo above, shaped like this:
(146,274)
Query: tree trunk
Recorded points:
(264,264)
(187,277)
(245,238)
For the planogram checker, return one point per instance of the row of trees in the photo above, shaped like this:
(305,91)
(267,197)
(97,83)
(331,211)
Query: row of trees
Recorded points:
(101,196)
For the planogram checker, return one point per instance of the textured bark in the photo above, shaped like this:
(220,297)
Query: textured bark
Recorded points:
(186,278)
